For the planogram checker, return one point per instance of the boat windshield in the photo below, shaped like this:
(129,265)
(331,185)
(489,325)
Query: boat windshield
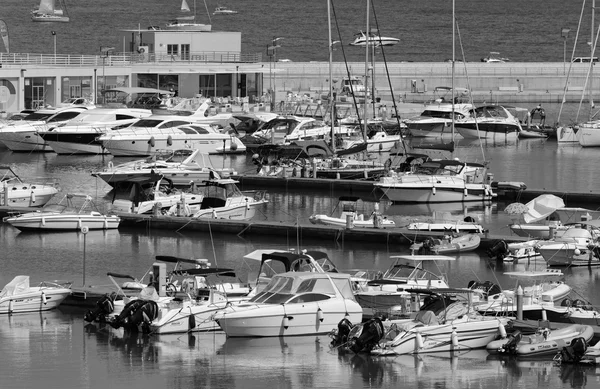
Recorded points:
(281,289)
(37,116)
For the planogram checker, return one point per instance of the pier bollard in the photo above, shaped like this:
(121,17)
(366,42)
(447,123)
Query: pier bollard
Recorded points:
(519,303)
(349,221)
(314,168)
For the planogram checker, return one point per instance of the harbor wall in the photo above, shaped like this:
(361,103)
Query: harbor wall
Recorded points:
(511,82)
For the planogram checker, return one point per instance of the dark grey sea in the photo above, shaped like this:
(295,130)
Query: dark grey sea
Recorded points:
(57,349)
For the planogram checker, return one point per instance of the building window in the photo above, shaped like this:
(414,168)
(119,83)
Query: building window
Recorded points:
(172,50)
(185,52)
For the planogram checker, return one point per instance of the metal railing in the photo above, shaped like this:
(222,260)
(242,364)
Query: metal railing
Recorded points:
(124,59)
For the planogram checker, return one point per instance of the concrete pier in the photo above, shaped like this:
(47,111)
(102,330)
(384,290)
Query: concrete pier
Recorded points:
(511,82)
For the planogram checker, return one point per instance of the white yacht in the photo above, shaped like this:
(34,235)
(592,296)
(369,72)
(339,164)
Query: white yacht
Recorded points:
(489,122)
(79,136)
(22,135)
(439,181)
(436,119)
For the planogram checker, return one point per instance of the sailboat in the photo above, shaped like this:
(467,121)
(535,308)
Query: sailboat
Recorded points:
(50,11)
(188,22)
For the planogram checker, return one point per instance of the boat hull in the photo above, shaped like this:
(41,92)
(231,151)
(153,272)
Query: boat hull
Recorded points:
(288,319)
(436,193)
(34,301)
(443,338)
(23,141)
(61,222)
(569,254)
(339,222)
(74,143)
(28,196)
(139,146)
(493,131)
(239,212)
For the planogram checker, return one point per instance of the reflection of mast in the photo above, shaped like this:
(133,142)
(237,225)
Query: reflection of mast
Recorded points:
(365,114)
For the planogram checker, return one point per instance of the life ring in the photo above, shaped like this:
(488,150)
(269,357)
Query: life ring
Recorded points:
(171,289)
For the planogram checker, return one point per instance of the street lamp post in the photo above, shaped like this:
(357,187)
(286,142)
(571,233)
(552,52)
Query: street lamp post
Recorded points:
(564,32)
(272,53)
(54,36)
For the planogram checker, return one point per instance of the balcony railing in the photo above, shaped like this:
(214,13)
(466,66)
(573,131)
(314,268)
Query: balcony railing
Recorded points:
(124,59)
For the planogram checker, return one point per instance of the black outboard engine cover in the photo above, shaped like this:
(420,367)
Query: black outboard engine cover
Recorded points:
(143,316)
(341,336)
(575,352)
(510,347)
(128,311)
(364,341)
(498,251)
(105,306)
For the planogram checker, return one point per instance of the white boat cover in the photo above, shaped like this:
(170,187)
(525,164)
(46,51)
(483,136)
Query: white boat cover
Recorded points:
(18,285)
(541,207)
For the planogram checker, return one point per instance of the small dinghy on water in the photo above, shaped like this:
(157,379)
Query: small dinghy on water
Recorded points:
(350,217)
(447,245)
(543,343)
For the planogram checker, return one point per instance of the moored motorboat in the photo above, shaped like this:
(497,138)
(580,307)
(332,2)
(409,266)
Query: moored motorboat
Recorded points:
(19,296)
(489,122)
(545,342)
(438,181)
(294,303)
(448,244)
(65,215)
(576,247)
(15,192)
(467,225)
(444,323)
(350,217)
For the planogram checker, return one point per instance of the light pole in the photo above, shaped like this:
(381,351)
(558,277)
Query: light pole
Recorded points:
(272,53)
(84,231)
(564,32)
(54,36)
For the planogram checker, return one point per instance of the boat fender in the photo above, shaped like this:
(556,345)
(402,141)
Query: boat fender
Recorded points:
(44,300)
(191,322)
(152,141)
(110,165)
(433,190)
(454,338)
(286,322)
(320,315)
(502,330)
(43,221)
(169,141)
(577,252)
(33,197)
(466,192)
(105,223)
(10,306)
(418,341)
(233,146)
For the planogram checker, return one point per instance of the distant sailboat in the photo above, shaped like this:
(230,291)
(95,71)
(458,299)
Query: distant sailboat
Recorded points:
(188,22)
(49,12)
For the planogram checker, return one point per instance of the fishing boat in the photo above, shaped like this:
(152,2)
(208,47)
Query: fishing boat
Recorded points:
(18,296)
(64,216)
(293,303)
(545,342)
(51,11)
(447,245)
(350,217)
(15,192)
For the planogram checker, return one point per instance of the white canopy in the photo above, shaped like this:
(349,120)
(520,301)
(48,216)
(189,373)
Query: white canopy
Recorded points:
(19,284)
(541,207)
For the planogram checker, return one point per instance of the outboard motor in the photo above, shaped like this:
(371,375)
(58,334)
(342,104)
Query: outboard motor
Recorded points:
(340,337)
(498,251)
(366,339)
(575,352)
(143,316)
(104,307)
(128,311)
(510,347)
(487,288)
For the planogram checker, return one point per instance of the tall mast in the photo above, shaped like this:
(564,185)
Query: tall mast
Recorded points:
(365,115)
(331,95)
(592,44)
(453,63)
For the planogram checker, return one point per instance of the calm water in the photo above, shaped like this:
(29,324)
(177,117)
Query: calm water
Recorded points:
(57,350)
(520,30)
